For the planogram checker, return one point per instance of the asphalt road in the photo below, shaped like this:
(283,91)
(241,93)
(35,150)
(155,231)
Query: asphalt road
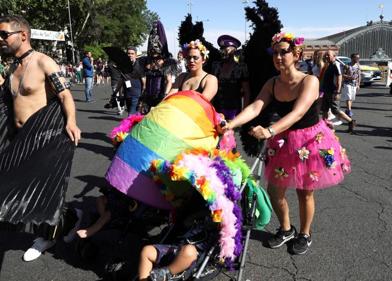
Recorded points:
(352,227)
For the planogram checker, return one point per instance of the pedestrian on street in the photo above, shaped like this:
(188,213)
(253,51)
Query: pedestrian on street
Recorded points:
(351,83)
(88,74)
(38,137)
(303,152)
(135,82)
(233,78)
(332,86)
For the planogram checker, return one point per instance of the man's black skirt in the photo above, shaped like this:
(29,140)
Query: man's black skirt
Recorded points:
(35,164)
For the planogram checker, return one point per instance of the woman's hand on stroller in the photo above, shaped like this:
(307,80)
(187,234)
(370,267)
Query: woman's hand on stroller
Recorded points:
(260,133)
(222,127)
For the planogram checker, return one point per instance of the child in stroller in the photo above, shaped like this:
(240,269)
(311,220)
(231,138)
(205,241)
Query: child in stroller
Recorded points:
(111,206)
(180,255)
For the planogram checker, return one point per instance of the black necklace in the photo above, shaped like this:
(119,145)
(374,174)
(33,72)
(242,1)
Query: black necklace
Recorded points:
(18,60)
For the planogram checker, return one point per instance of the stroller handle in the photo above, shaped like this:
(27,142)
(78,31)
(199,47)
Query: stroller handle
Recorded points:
(259,160)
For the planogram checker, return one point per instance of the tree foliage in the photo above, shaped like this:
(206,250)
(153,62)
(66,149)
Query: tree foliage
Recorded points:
(94,22)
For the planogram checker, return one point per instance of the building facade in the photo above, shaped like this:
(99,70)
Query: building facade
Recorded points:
(369,40)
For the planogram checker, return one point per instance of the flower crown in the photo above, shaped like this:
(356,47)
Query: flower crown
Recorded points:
(196,44)
(287,37)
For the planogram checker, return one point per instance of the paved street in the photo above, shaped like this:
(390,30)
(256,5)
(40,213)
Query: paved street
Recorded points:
(352,228)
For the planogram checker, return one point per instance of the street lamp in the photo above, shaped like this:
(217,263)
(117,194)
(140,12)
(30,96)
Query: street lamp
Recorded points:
(70,30)
(245,2)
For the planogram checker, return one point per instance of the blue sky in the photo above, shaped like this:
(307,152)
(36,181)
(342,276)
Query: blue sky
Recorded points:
(309,18)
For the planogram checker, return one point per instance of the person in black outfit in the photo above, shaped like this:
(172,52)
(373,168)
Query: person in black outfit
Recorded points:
(233,79)
(134,83)
(332,86)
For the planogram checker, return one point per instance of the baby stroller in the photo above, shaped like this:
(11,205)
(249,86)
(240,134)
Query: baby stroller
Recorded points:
(249,208)
(123,66)
(117,98)
(214,173)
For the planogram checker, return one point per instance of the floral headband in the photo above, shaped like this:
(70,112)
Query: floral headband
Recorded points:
(287,37)
(196,45)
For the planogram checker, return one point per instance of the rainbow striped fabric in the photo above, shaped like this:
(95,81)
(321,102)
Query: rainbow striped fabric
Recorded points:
(182,121)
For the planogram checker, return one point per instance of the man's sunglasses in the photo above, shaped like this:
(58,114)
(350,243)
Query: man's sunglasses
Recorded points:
(5,34)
(281,52)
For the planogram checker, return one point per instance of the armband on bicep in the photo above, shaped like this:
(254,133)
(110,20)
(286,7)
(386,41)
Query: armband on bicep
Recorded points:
(57,84)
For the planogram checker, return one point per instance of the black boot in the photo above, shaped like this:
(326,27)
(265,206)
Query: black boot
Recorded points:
(351,126)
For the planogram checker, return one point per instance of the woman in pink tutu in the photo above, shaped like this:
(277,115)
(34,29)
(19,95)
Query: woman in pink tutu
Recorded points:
(303,153)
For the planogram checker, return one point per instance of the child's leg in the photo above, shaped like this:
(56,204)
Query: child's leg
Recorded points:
(101,202)
(103,219)
(184,259)
(148,256)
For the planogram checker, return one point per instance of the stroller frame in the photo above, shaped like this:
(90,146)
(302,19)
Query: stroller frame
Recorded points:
(249,218)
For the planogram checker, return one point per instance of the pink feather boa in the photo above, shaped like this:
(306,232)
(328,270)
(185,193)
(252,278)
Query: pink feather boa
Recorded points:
(119,133)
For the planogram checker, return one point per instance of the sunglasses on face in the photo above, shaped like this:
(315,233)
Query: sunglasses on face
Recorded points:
(195,58)
(5,34)
(281,52)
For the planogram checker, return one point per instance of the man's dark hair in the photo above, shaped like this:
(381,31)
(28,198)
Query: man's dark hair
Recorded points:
(131,48)
(353,55)
(17,23)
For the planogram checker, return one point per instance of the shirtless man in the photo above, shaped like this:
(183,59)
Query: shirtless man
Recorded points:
(30,86)
(34,82)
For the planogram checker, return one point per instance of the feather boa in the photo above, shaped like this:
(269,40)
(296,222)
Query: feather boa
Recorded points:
(215,176)
(119,133)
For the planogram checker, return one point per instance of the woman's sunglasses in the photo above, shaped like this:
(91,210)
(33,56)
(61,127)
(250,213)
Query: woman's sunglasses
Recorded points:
(5,34)
(195,58)
(281,52)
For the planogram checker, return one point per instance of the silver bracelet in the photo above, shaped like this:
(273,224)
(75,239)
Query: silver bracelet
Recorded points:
(271,131)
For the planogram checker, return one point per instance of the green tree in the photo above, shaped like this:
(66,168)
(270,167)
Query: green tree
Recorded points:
(94,22)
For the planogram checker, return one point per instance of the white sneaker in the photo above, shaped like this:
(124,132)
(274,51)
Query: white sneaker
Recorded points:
(40,245)
(72,233)
(121,111)
(331,116)
(337,123)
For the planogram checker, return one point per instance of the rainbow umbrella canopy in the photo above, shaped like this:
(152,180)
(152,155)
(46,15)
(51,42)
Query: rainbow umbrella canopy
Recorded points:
(182,121)
(169,152)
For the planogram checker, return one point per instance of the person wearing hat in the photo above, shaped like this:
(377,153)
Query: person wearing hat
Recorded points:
(159,69)
(232,77)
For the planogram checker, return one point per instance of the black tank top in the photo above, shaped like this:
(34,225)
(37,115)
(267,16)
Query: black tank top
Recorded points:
(199,89)
(282,108)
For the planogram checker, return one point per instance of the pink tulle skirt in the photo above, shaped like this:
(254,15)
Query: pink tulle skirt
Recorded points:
(310,158)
